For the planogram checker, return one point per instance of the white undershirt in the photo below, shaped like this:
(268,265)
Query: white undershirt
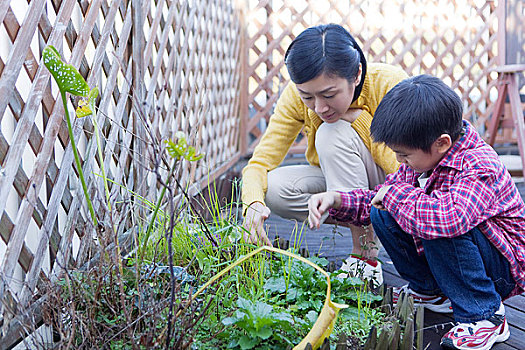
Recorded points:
(422,179)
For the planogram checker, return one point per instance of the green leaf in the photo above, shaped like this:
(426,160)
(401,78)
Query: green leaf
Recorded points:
(181,149)
(352,312)
(247,342)
(283,317)
(191,155)
(303,304)
(244,304)
(276,284)
(232,344)
(228,321)
(87,107)
(174,150)
(264,333)
(311,316)
(66,76)
(93,94)
(323,262)
(240,315)
(351,281)
(317,303)
(262,310)
(292,294)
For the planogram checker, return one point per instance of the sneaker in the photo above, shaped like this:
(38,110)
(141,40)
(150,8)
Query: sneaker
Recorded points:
(479,335)
(368,269)
(436,303)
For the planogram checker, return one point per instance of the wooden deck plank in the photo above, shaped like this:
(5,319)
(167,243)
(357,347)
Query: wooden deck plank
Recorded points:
(516,340)
(517,302)
(516,319)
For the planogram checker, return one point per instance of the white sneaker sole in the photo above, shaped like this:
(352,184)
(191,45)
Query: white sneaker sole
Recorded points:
(449,344)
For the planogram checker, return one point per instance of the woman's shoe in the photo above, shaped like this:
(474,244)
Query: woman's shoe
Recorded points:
(367,269)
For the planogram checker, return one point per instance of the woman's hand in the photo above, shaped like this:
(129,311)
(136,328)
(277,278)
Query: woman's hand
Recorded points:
(377,201)
(253,222)
(319,203)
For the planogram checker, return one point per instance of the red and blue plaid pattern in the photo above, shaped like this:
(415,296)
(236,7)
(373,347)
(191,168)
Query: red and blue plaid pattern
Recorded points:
(470,187)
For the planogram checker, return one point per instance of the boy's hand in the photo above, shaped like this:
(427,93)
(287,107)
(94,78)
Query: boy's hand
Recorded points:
(319,203)
(377,201)
(253,222)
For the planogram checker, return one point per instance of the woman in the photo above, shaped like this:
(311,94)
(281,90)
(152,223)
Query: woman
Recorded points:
(333,96)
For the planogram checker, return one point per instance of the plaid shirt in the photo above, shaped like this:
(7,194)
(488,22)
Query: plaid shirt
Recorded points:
(469,188)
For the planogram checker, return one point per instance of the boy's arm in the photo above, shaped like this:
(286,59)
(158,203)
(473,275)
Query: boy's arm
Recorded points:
(443,214)
(319,203)
(355,205)
(354,208)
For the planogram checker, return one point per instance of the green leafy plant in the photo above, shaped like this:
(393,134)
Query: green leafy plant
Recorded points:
(326,319)
(301,290)
(260,322)
(177,149)
(69,80)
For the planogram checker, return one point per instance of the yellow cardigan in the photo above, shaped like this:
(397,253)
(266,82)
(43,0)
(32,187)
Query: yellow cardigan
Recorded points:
(291,115)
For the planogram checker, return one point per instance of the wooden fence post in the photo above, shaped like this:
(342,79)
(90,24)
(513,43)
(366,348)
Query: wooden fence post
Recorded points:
(138,93)
(244,110)
(502,16)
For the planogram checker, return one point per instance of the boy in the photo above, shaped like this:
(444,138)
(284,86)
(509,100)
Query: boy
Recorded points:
(450,218)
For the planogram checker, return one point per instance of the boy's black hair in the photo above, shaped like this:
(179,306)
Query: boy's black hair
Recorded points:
(415,112)
(327,48)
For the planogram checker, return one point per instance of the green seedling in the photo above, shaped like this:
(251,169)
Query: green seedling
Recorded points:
(176,149)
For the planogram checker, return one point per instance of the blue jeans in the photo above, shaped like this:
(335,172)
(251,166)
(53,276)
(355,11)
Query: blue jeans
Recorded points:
(468,269)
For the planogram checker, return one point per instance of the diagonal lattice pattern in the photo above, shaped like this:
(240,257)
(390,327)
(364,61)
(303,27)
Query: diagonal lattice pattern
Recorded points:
(42,226)
(162,67)
(453,40)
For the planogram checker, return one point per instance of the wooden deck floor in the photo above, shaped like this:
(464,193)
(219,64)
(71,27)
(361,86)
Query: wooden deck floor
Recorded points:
(336,245)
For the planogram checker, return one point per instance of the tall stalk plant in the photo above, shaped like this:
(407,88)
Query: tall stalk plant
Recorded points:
(70,81)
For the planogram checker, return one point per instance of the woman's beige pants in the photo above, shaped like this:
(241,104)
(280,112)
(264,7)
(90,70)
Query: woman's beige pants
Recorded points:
(345,164)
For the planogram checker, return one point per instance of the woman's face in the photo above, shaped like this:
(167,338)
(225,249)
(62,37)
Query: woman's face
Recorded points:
(329,96)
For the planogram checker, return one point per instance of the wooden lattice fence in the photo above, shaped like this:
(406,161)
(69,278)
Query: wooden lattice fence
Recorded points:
(162,66)
(450,39)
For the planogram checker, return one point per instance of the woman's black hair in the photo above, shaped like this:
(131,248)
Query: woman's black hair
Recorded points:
(327,48)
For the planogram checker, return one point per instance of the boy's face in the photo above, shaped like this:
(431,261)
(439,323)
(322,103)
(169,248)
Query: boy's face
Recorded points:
(420,160)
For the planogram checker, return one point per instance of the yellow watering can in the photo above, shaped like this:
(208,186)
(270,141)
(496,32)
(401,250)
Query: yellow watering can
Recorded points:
(324,324)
